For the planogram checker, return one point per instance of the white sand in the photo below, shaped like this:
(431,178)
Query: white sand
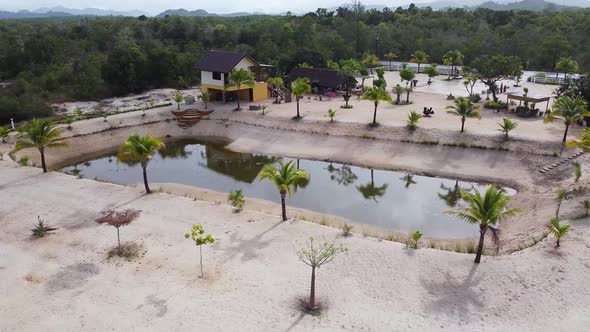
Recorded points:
(253,279)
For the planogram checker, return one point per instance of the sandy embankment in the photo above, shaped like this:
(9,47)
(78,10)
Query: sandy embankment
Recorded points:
(518,170)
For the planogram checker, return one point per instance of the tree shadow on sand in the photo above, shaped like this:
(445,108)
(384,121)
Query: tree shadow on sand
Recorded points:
(454,297)
(248,248)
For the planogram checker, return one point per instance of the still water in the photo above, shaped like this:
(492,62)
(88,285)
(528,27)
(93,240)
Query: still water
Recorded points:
(387,199)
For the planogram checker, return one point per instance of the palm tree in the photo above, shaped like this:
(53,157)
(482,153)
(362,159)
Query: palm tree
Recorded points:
(583,141)
(390,57)
(204,96)
(178,98)
(239,77)
(567,65)
(284,177)
(453,58)
(558,230)
(371,191)
(398,92)
(571,110)
(487,211)
(140,149)
(40,134)
(413,119)
(275,83)
(300,87)
(562,194)
(419,57)
(506,126)
(465,109)
(4,131)
(376,95)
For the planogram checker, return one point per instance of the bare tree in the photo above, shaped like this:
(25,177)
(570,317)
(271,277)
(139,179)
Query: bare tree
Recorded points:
(315,256)
(118,219)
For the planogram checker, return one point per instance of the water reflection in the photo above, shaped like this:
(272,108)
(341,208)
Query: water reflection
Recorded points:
(386,199)
(370,191)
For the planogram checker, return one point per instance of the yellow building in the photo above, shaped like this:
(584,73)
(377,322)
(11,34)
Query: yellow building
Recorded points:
(215,67)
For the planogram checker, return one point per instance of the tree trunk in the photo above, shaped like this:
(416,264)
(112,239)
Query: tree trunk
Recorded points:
(418,68)
(297,99)
(408,97)
(493,89)
(283,207)
(398,98)
(557,244)
(482,233)
(312,291)
(238,92)
(462,124)
(145,179)
(118,239)
(201,260)
(43,165)
(375,115)
(178,104)
(567,127)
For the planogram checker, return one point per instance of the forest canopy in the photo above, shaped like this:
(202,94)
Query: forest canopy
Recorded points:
(47,60)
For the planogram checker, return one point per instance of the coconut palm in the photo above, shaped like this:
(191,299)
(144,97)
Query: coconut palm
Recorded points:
(453,58)
(140,149)
(4,131)
(40,134)
(390,57)
(178,98)
(204,96)
(583,141)
(562,194)
(300,87)
(570,110)
(487,210)
(284,177)
(419,57)
(558,230)
(465,109)
(413,119)
(275,83)
(398,92)
(239,77)
(376,95)
(566,65)
(506,126)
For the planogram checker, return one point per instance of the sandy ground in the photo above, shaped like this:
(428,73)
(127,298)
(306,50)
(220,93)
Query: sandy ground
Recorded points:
(253,280)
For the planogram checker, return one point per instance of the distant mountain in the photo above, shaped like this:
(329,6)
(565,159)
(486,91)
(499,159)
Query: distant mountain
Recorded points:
(201,13)
(534,5)
(60,11)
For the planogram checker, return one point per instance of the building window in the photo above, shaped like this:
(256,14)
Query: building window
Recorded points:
(217,76)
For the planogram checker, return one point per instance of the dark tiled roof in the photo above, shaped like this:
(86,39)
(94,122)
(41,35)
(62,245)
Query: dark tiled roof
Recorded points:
(325,78)
(220,61)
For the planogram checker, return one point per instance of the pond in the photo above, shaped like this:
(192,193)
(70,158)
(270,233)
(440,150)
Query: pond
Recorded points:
(386,199)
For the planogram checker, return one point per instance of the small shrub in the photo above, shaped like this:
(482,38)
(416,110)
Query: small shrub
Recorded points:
(471,247)
(413,119)
(24,161)
(415,238)
(41,229)
(459,247)
(495,105)
(331,115)
(346,228)
(236,199)
(586,205)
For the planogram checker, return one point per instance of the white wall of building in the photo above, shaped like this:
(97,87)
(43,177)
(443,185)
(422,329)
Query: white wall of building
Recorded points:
(207,76)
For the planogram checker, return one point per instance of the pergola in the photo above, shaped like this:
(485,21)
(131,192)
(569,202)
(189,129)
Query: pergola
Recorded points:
(520,96)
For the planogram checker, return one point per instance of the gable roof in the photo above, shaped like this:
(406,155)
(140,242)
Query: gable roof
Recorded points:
(326,78)
(221,61)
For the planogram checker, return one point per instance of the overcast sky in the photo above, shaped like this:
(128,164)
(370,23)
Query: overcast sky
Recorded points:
(213,6)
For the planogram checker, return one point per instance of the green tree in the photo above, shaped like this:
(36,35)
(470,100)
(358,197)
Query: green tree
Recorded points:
(453,58)
(316,256)
(69,120)
(415,237)
(432,72)
(376,95)
(141,149)
(40,134)
(238,78)
(407,75)
(371,61)
(398,92)
(236,199)
(506,126)
(465,109)
(275,83)
(390,57)
(419,57)
(570,110)
(331,115)
(4,131)
(284,178)
(558,230)
(300,87)
(204,96)
(492,69)
(487,211)
(197,234)
(413,119)
(178,98)
(567,65)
